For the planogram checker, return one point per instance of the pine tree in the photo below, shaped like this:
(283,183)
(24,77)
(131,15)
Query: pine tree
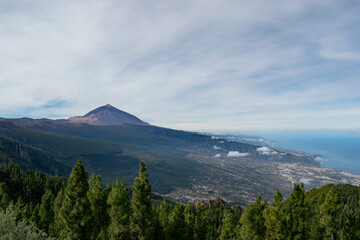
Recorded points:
(163,214)
(214,214)
(349,224)
(141,226)
(35,217)
(28,210)
(13,228)
(298,212)
(238,230)
(75,210)
(275,221)
(103,234)
(46,211)
(330,213)
(228,226)
(252,221)
(237,210)
(97,201)
(156,223)
(177,225)
(315,231)
(190,219)
(58,225)
(4,197)
(201,222)
(16,176)
(107,189)
(119,211)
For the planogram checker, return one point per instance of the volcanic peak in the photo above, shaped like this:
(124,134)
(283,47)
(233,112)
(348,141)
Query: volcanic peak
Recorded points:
(107,115)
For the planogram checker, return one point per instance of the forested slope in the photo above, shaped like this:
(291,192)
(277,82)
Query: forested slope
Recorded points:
(83,208)
(30,158)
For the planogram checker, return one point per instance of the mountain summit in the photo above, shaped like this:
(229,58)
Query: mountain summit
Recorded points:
(107,115)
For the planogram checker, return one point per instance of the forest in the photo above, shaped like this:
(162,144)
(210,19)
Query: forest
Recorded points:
(35,205)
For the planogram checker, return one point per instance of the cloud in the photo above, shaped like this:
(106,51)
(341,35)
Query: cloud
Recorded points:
(305,180)
(266,151)
(263,149)
(217,147)
(250,139)
(318,158)
(254,139)
(213,137)
(219,65)
(357,131)
(236,154)
(217,155)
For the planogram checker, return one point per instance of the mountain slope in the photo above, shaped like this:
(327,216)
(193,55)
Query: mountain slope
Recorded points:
(182,165)
(30,158)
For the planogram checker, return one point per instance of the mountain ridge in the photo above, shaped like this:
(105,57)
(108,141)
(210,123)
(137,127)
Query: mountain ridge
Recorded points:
(183,166)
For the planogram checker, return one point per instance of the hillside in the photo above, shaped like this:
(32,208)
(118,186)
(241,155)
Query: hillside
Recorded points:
(30,158)
(182,165)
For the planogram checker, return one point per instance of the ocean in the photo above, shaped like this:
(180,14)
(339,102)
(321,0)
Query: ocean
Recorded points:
(337,149)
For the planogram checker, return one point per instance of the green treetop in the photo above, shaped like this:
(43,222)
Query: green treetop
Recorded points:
(97,201)
(275,221)
(228,226)
(46,211)
(177,226)
(57,225)
(163,215)
(4,197)
(330,213)
(252,221)
(349,224)
(298,213)
(75,210)
(190,219)
(141,226)
(119,211)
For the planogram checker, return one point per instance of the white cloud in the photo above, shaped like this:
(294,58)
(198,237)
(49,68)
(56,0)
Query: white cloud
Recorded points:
(250,139)
(304,180)
(357,131)
(184,64)
(213,137)
(254,139)
(217,147)
(318,158)
(266,151)
(263,149)
(217,155)
(236,154)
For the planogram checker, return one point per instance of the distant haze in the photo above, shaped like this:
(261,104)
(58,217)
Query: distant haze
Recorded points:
(336,149)
(194,65)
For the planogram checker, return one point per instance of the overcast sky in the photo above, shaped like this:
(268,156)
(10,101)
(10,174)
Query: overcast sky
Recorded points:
(193,65)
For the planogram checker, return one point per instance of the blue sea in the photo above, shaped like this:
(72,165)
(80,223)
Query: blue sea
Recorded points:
(337,149)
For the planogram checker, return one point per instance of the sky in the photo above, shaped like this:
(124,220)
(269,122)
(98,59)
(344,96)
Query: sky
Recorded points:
(195,65)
